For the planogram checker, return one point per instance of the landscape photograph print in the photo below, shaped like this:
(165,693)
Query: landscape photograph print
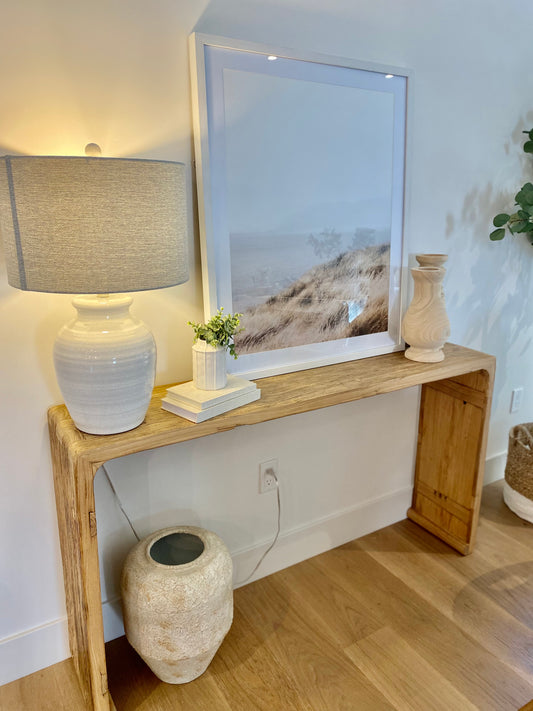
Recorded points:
(306,169)
(309,216)
(344,296)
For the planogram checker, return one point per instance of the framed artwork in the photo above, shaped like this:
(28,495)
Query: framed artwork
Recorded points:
(300,163)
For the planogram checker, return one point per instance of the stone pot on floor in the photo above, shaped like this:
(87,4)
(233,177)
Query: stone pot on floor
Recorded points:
(177,599)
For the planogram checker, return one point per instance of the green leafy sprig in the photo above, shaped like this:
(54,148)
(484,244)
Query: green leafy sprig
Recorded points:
(521,220)
(219,330)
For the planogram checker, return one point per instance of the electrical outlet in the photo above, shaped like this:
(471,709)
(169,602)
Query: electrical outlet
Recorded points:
(268,471)
(516,399)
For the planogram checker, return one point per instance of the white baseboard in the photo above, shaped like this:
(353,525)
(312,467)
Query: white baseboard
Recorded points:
(34,649)
(321,535)
(112,614)
(40,647)
(495,467)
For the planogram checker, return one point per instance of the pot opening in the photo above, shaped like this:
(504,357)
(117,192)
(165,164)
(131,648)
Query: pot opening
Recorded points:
(177,549)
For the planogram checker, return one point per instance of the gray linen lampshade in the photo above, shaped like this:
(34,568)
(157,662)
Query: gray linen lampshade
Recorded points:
(81,225)
(97,226)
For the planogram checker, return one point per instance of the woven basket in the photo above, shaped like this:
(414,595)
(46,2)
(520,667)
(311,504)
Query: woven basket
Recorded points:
(518,485)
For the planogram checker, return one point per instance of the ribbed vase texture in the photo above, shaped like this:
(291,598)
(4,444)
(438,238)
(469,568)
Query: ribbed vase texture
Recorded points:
(425,327)
(209,366)
(105,365)
(176,615)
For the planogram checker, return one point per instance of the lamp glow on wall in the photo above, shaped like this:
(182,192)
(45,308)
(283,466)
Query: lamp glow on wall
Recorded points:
(99,226)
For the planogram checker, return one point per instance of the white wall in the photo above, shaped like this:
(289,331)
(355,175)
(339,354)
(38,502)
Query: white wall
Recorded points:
(117,73)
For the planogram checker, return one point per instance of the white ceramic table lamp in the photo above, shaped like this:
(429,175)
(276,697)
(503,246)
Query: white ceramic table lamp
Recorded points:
(100,226)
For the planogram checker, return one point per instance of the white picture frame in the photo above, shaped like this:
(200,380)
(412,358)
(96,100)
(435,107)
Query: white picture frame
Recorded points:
(301,174)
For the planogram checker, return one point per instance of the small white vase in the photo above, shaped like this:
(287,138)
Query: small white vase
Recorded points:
(425,326)
(177,599)
(209,366)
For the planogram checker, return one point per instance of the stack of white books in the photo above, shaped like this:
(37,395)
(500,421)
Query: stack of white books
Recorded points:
(196,405)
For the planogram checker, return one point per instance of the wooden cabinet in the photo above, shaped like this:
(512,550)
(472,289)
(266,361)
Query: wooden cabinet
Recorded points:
(454,412)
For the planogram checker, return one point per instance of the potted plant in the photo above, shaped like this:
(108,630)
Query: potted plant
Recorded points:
(522,219)
(211,342)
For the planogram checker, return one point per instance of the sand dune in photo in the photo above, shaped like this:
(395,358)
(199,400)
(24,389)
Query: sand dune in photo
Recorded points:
(345,297)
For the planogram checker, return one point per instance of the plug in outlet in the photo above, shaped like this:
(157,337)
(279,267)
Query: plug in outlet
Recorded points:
(268,471)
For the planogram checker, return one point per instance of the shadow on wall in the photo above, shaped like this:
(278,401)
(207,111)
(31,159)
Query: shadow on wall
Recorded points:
(496,289)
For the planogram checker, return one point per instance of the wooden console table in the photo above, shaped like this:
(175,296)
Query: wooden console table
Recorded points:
(454,414)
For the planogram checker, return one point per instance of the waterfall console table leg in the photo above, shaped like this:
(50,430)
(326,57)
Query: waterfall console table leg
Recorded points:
(452,440)
(73,480)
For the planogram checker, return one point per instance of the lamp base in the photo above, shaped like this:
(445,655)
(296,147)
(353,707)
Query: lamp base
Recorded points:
(105,365)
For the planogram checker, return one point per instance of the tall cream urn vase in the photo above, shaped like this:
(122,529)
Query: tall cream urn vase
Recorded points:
(177,600)
(425,327)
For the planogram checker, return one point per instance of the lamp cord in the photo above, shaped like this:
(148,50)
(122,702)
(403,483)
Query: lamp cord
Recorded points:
(119,502)
(261,559)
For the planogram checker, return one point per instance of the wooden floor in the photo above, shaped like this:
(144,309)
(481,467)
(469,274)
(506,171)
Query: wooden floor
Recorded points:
(394,620)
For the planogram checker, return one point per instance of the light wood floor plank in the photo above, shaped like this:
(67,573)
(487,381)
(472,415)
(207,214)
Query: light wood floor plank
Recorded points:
(460,594)
(324,678)
(407,680)
(496,513)
(133,686)
(249,675)
(477,673)
(52,689)
(502,567)
(337,615)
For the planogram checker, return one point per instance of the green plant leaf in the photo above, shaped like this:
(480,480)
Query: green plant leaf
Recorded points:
(524,196)
(501,219)
(522,220)
(520,226)
(219,330)
(497,235)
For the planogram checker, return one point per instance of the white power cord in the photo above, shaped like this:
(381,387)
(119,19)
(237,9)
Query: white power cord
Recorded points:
(270,472)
